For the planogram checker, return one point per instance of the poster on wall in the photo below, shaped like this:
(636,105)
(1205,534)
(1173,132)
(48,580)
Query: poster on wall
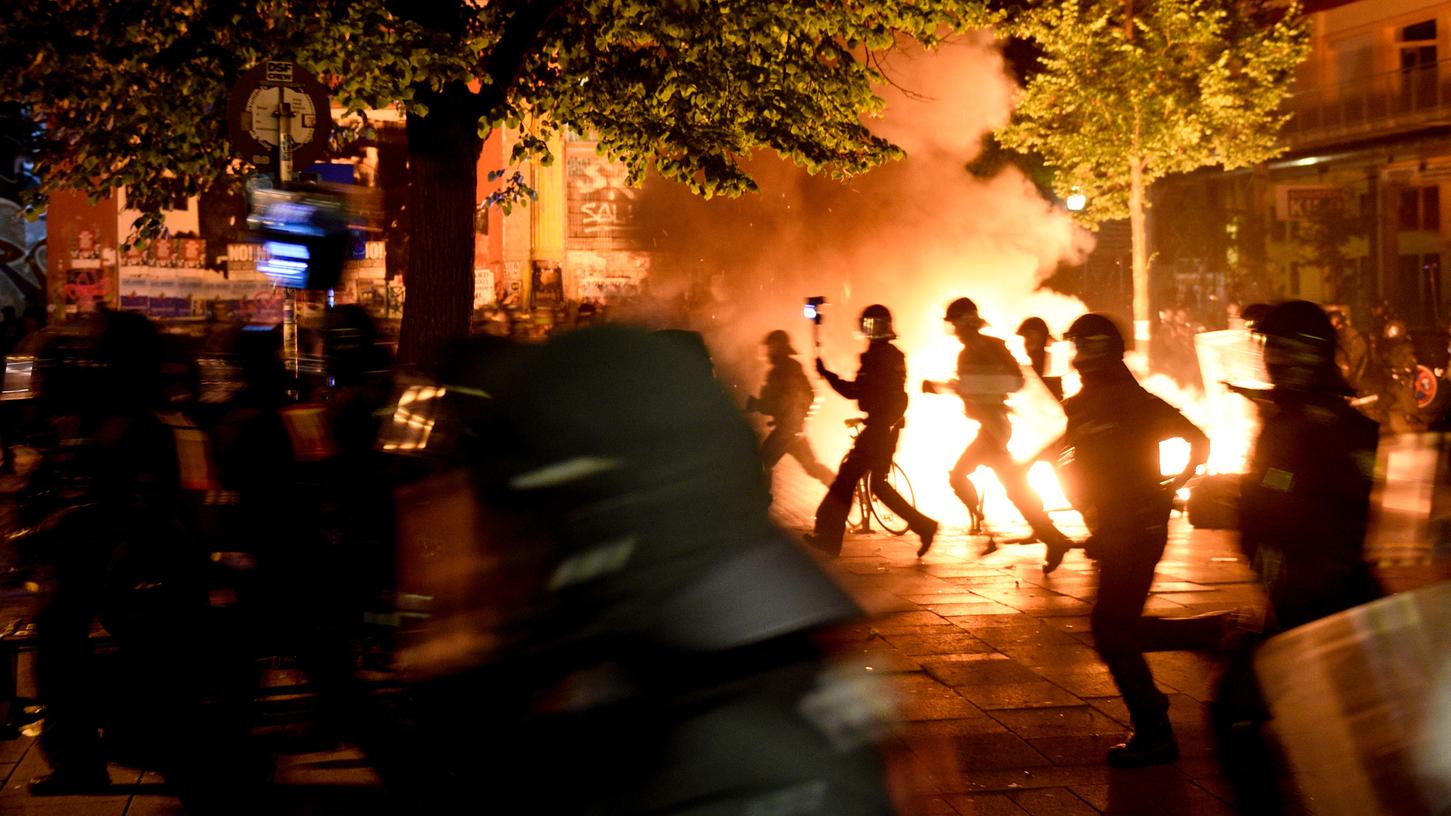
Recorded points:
(546,285)
(85,287)
(484,293)
(509,287)
(608,277)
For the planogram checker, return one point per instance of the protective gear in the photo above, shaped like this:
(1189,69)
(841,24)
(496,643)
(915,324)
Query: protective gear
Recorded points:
(963,309)
(1254,313)
(1034,325)
(779,341)
(876,323)
(1096,340)
(1300,345)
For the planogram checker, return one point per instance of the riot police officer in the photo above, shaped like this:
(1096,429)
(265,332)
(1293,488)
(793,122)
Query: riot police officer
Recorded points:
(1111,461)
(1304,507)
(880,391)
(986,374)
(786,398)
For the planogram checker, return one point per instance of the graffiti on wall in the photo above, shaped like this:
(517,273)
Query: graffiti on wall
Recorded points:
(601,205)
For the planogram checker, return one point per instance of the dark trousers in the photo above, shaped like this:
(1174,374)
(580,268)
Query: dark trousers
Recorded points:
(991,451)
(1127,556)
(782,441)
(871,455)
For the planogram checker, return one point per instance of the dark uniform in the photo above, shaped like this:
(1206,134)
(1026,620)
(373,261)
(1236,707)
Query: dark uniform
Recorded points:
(786,398)
(623,527)
(1112,464)
(879,390)
(1304,508)
(986,371)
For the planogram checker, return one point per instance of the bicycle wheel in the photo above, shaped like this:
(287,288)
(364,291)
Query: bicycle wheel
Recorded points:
(891,522)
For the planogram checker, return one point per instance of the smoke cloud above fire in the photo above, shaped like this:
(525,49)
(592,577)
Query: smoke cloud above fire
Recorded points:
(912,235)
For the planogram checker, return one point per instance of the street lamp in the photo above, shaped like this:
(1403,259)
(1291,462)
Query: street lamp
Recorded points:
(1076,201)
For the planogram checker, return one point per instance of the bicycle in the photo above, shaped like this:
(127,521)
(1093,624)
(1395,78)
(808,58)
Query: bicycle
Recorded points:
(865,505)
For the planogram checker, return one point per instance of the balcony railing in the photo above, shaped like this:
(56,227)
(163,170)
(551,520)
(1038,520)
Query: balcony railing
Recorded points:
(1375,105)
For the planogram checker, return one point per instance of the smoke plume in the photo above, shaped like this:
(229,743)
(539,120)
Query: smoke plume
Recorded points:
(912,235)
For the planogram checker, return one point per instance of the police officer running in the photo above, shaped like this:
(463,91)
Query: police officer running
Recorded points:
(986,374)
(786,398)
(880,392)
(1111,465)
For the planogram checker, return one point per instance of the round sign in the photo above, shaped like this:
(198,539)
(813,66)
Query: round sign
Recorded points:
(269,94)
(1425,386)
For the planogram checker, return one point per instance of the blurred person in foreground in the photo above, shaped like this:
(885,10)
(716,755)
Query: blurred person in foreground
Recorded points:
(880,392)
(127,552)
(1304,509)
(986,373)
(1111,468)
(786,398)
(618,627)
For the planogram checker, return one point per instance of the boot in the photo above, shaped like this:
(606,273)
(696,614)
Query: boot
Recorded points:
(1152,745)
(926,534)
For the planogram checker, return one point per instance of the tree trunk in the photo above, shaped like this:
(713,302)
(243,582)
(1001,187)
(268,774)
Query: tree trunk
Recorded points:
(443,153)
(1139,237)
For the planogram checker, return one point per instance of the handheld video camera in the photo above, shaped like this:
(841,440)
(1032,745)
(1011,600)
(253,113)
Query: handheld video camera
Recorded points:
(812,311)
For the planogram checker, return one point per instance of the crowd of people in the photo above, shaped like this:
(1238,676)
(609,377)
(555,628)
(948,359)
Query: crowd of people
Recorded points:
(575,521)
(1303,514)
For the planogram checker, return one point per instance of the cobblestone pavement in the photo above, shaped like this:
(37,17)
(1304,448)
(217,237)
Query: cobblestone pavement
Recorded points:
(1004,707)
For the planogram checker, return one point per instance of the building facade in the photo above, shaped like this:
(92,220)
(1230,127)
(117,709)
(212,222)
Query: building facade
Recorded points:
(1354,212)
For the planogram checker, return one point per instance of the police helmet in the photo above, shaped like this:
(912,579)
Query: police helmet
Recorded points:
(779,340)
(1300,347)
(1096,338)
(876,323)
(963,309)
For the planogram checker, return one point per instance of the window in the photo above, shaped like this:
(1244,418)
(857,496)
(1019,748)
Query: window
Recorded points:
(1418,65)
(1420,209)
(1424,30)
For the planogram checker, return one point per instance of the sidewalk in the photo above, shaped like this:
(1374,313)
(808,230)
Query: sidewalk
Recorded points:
(1005,707)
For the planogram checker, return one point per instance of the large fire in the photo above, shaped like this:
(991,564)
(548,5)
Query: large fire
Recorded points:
(937,431)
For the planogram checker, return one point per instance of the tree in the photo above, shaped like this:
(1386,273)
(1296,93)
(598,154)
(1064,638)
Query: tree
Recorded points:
(1126,95)
(132,93)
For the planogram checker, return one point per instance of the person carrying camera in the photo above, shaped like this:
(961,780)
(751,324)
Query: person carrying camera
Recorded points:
(880,392)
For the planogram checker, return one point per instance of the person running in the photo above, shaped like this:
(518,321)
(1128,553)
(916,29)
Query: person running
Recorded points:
(786,398)
(986,374)
(1110,452)
(880,391)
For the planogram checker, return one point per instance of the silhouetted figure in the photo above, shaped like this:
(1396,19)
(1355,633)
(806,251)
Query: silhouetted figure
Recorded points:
(1036,338)
(1111,469)
(1352,352)
(986,374)
(137,558)
(786,398)
(880,391)
(1303,513)
(1393,374)
(601,658)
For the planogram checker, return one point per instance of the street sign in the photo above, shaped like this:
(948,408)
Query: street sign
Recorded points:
(267,96)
